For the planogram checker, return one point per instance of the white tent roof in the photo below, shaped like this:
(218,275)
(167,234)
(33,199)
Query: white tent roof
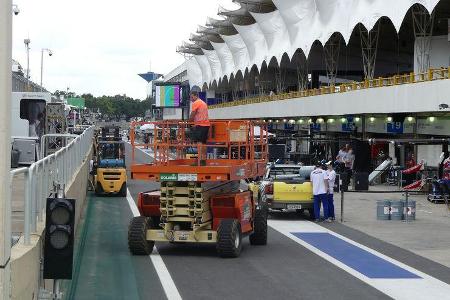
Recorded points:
(294,24)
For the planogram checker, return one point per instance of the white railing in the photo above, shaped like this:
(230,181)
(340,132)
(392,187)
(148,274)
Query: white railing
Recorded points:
(59,167)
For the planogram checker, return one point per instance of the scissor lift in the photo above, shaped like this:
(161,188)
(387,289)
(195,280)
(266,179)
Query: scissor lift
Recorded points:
(201,199)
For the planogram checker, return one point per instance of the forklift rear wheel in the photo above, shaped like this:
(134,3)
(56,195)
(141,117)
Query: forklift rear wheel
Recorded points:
(259,235)
(137,236)
(98,189)
(229,238)
(123,190)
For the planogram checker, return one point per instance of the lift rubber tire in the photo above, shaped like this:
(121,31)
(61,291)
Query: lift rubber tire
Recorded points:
(137,236)
(123,190)
(259,235)
(229,238)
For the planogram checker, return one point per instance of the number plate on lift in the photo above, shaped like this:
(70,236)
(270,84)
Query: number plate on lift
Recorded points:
(294,206)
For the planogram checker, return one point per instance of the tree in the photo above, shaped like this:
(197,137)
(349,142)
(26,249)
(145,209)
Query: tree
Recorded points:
(115,106)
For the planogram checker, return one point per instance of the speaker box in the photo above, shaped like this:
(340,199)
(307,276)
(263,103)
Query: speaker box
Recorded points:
(361,150)
(362,181)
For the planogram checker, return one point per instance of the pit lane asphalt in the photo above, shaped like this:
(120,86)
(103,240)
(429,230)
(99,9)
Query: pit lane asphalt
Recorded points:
(282,269)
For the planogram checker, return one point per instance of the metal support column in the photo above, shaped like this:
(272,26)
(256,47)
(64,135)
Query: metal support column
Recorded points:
(363,128)
(5,148)
(302,74)
(369,47)
(280,78)
(423,32)
(331,51)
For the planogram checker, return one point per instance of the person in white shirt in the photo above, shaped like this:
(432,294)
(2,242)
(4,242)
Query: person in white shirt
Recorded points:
(320,188)
(330,176)
(341,154)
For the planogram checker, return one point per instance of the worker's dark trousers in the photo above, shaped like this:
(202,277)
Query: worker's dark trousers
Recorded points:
(200,134)
(330,205)
(318,199)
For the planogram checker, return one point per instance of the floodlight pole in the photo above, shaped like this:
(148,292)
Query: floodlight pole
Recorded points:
(5,148)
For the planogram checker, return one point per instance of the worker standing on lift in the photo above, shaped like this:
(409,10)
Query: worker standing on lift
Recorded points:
(199,115)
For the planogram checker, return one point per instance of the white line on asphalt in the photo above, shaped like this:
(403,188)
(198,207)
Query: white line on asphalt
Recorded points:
(132,204)
(163,273)
(426,287)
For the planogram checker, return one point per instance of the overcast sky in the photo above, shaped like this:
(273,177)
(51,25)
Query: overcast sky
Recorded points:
(101,45)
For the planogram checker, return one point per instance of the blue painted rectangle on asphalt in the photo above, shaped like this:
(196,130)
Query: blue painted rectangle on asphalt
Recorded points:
(354,257)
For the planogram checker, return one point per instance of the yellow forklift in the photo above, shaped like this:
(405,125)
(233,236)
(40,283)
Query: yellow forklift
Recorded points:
(110,174)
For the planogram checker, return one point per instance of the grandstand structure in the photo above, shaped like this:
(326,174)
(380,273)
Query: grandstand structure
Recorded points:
(284,46)
(333,70)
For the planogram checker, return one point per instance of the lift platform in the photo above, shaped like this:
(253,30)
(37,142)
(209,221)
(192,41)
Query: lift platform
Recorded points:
(234,150)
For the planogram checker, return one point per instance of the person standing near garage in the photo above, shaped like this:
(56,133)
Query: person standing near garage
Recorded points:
(320,187)
(331,178)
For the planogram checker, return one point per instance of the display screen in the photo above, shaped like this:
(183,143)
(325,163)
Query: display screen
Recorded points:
(168,96)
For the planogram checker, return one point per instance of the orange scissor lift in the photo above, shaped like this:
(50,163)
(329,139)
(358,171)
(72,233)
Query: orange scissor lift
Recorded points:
(203,197)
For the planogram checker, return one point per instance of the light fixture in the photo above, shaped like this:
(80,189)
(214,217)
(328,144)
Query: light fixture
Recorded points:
(284,120)
(270,121)
(301,121)
(431,119)
(330,120)
(292,121)
(343,120)
(277,121)
(320,120)
(310,121)
(389,119)
(410,119)
(372,119)
(357,119)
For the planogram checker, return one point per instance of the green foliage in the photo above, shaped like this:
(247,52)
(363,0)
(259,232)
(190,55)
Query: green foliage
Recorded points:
(115,106)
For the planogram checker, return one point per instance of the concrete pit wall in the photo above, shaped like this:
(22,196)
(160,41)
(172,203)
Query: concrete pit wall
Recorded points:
(25,260)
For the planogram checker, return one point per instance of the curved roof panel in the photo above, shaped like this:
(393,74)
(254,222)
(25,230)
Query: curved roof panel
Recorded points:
(295,24)
(226,58)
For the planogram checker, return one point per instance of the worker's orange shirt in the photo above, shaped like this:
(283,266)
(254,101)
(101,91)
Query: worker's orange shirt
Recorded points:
(201,113)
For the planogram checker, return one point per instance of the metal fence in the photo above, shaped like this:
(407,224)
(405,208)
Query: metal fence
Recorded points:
(59,167)
(21,84)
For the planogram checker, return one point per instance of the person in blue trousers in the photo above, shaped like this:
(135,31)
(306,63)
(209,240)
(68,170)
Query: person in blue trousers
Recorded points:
(330,175)
(320,188)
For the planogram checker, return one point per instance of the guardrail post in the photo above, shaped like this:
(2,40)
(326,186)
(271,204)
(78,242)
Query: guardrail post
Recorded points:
(342,206)
(406,205)
(39,191)
(27,209)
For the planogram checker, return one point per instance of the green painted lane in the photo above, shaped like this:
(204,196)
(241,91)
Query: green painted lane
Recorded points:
(106,268)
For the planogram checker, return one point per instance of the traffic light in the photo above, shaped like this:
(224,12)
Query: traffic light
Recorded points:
(59,238)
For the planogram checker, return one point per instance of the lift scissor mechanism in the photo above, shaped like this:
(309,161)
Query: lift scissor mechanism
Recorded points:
(202,198)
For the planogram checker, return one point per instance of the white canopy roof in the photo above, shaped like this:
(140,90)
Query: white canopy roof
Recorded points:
(294,24)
